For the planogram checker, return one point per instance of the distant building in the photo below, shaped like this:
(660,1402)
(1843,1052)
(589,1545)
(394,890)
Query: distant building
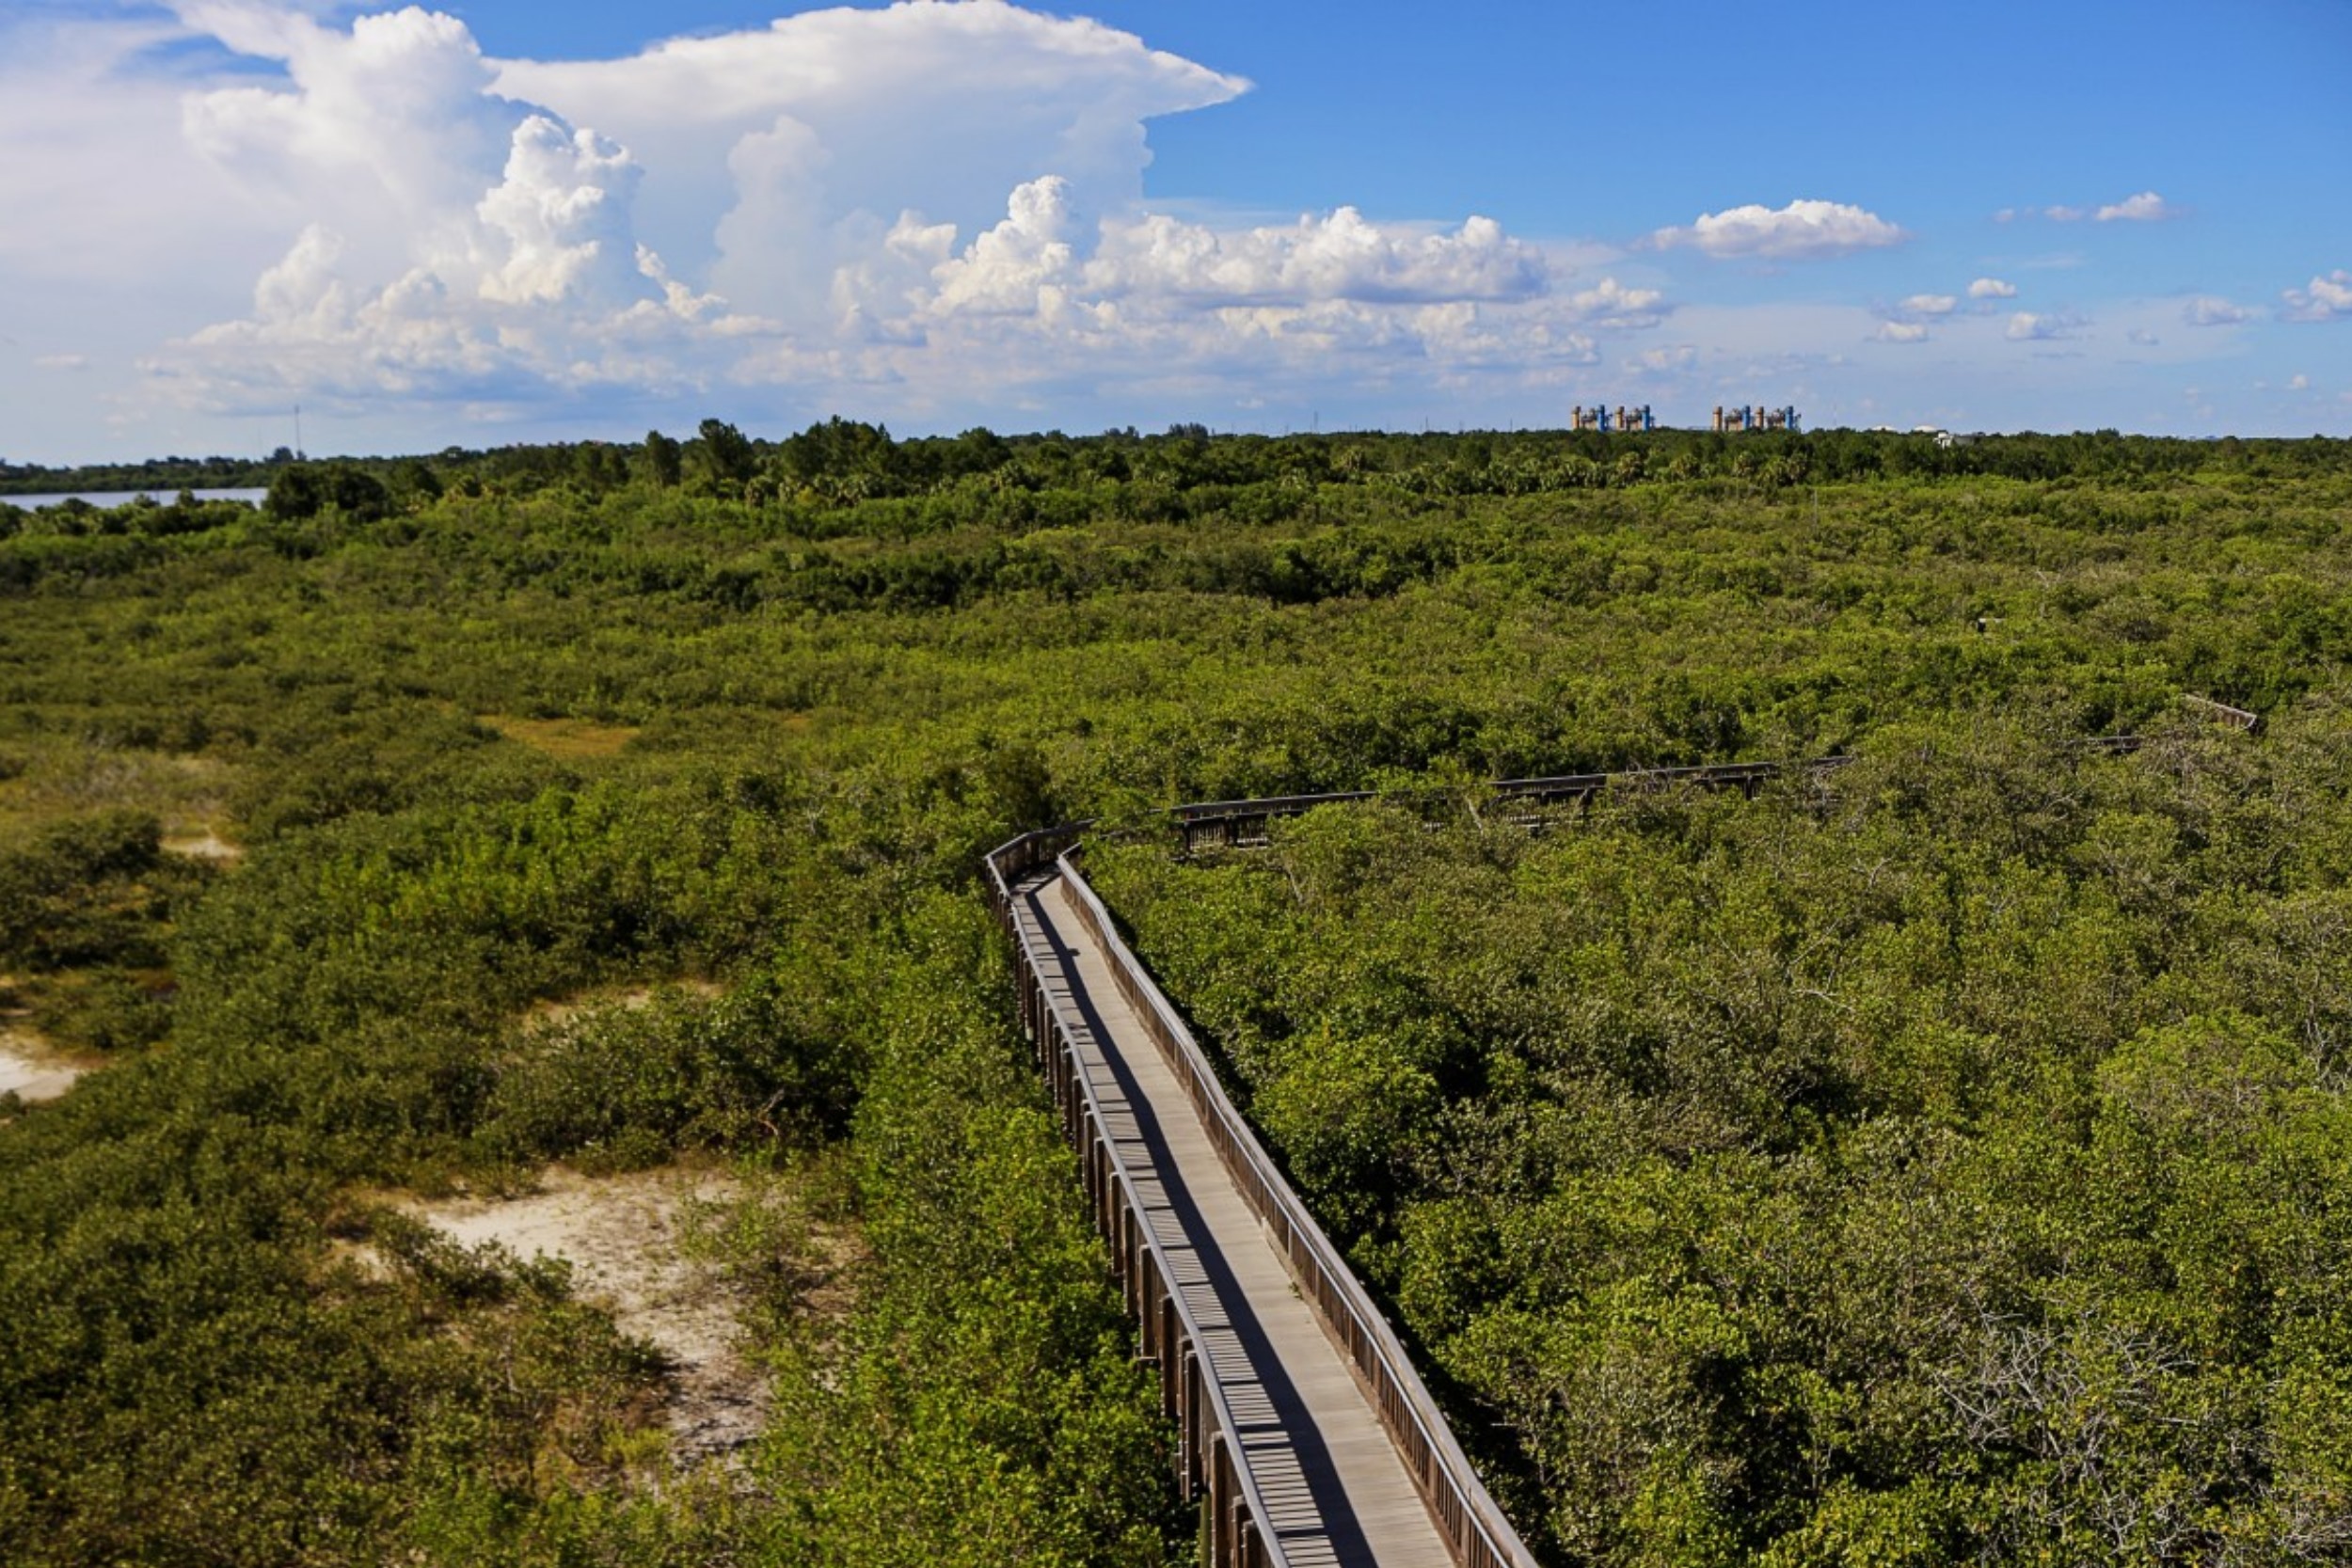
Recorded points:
(1757,418)
(1624,418)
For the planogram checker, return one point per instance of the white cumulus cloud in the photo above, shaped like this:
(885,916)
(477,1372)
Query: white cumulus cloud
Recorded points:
(1338,257)
(2147,207)
(1610,301)
(2144,207)
(943,199)
(1902,332)
(1931,305)
(1992,288)
(2211,310)
(387,133)
(2322,299)
(1022,265)
(814,135)
(1801,230)
(561,211)
(2025,326)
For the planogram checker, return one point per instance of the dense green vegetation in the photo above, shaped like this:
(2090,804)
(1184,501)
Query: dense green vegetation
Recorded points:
(1802,1181)
(1948,1160)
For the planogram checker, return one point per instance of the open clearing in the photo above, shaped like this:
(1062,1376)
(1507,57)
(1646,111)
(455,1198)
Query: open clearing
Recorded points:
(203,843)
(41,782)
(624,1237)
(566,739)
(562,1010)
(30,1069)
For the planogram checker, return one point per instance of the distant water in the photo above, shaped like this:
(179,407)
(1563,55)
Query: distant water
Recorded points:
(119,497)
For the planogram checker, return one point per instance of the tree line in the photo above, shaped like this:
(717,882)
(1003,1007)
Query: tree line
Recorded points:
(849,460)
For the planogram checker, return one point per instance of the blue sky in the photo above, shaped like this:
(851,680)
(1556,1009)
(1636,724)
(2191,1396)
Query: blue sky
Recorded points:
(519,221)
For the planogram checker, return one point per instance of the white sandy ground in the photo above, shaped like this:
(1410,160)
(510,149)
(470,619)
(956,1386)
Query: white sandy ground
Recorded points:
(30,1068)
(204,843)
(624,1237)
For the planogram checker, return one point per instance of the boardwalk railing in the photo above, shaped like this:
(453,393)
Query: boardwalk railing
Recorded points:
(1210,1456)
(1243,823)
(1467,1517)
(2222,713)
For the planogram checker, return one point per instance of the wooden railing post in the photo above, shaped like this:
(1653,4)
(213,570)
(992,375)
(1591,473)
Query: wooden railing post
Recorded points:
(1221,1501)
(1195,1473)
(1167,1336)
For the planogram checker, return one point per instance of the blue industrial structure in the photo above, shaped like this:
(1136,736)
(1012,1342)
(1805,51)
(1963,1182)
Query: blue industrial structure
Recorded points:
(1602,418)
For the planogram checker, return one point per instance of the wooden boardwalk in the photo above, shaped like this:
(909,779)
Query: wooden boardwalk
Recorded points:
(1301,1423)
(1335,1488)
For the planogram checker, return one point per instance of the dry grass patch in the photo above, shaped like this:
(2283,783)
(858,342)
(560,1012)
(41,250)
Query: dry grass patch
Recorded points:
(49,780)
(564,739)
(563,1009)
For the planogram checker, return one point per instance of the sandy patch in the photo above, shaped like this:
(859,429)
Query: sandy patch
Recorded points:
(30,1069)
(204,843)
(624,1237)
(629,998)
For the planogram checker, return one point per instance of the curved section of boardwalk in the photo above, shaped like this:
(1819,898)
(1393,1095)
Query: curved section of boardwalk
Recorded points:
(1301,1422)
(1335,1489)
